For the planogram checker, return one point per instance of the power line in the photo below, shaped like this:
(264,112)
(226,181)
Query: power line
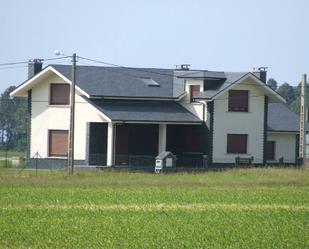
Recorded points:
(130,68)
(26,62)
(12,67)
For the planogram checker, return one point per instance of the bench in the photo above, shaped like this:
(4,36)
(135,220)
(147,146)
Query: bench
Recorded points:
(243,161)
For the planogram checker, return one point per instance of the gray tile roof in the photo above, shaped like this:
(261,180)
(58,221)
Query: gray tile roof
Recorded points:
(130,82)
(281,118)
(121,82)
(200,74)
(215,86)
(146,111)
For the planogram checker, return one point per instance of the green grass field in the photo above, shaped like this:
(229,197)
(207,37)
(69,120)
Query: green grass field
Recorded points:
(254,208)
(12,153)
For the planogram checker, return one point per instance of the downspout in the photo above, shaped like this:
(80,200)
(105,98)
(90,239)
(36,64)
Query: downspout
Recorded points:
(29,112)
(265,130)
(210,109)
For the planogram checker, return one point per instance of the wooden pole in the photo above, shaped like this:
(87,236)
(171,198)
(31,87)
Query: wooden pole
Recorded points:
(72,118)
(302,130)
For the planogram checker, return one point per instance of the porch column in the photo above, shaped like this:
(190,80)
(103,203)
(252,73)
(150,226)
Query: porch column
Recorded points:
(162,138)
(110,144)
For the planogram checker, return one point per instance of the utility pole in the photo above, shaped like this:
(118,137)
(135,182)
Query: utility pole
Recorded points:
(72,118)
(302,130)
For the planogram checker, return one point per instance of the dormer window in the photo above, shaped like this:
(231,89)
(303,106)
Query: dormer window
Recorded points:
(238,100)
(149,82)
(194,91)
(59,94)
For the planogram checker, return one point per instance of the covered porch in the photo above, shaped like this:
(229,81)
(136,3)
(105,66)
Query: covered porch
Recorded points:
(138,132)
(137,145)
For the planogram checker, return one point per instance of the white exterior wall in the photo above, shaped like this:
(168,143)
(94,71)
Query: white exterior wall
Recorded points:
(285,146)
(46,117)
(195,108)
(251,123)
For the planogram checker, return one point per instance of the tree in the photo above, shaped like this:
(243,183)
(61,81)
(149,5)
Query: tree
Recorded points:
(288,92)
(272,83)
(13,121)
(295,104)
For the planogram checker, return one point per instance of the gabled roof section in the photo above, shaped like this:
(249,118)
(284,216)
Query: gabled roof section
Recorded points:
(145,111)
(200,74)
(214,88)
(23,88)
(217,86)
(282,119)
(120,81)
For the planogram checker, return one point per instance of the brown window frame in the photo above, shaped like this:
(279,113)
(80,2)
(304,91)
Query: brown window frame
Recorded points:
(52,101)
(238,101)
(50,154)
(194,92)
(237,149)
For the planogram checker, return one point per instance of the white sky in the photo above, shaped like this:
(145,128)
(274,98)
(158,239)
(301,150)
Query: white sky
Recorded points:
(219,35)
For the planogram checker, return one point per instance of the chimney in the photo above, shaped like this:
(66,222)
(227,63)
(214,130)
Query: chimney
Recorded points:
(261,73)
(183,67)
(34,67)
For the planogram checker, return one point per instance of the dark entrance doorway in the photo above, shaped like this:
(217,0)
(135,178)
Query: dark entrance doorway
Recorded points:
(97,144)
(188,143)
(270,155)
(136,144)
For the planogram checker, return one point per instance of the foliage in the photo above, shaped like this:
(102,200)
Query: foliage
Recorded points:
(272,83)
(292,95)
(259,208)
(288,92)
(13,122)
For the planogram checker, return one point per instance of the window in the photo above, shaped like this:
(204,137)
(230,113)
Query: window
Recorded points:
(194,91)
(59,94)
(58,143)
(238,100)
(149,82)
(237,143)
(270,150)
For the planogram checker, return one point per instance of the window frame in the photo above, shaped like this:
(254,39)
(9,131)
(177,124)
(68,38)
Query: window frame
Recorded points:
(240,108)
(49,132)
(51,102)
(230,150)
(193,91)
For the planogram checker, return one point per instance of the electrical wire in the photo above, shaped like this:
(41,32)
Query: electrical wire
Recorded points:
(26,62)
(125,67)
(119,72)
(12,67)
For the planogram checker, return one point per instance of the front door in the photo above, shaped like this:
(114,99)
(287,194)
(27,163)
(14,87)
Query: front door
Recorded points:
(122,145)
(270,150)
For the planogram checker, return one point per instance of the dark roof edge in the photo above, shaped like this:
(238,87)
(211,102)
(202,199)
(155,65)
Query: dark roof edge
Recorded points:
(159,122)
(282,131)
(95,106)
(147,98)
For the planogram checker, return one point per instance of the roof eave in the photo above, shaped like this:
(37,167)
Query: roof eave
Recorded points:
(23,88)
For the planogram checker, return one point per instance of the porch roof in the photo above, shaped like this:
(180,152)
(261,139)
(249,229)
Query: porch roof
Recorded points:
(145,111)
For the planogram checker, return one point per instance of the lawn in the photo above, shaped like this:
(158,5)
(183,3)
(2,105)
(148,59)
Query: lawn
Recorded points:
(253,208)
(12,153)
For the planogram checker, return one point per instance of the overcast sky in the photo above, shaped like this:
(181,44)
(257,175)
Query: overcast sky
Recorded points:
(219,35)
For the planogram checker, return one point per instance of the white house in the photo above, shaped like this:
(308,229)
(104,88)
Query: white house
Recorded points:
(127,116)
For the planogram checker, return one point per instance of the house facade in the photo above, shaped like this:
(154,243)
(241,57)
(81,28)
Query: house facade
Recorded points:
(127,116)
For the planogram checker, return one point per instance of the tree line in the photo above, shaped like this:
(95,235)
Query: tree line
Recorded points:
(290,93)
(13,122)
(14,116)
